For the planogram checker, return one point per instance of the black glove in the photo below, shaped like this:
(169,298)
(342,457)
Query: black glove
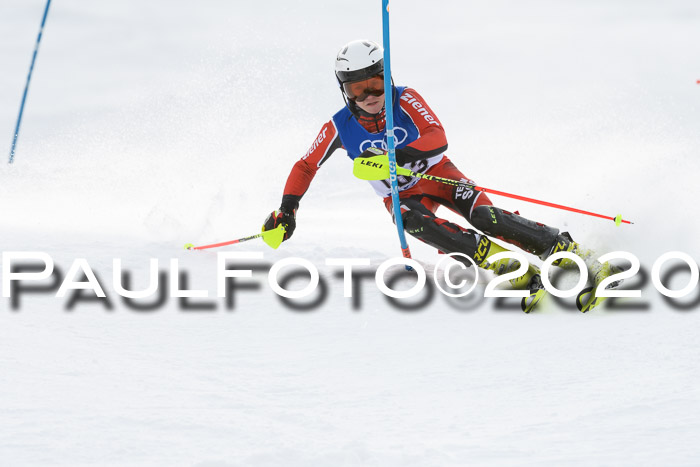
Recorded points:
(284,217)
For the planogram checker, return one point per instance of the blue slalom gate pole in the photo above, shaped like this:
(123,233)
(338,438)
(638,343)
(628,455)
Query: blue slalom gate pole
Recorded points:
(26,87)
(391,144)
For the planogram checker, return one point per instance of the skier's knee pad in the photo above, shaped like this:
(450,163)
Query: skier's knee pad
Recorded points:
(529,235)
(445,236)
(416,217)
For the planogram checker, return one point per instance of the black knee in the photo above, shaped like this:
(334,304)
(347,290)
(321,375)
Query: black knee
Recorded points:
(529,235)
(447,237)
(413,222)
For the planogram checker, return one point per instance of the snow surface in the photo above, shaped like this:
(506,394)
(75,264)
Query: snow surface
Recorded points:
(152,124)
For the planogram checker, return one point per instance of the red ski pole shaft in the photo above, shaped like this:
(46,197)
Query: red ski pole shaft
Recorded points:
(273,238)
(232,242)
(546,203)
(510,195)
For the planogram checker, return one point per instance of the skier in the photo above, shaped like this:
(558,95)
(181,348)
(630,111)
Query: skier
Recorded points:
(359,128)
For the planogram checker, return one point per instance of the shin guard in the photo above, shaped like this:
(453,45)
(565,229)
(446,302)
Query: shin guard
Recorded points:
(445,236)
(531,236)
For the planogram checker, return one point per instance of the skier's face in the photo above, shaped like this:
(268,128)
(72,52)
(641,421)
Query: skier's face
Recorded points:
(372,105)
(368,94)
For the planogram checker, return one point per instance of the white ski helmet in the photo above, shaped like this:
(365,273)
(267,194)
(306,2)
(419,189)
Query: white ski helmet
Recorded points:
(359,60)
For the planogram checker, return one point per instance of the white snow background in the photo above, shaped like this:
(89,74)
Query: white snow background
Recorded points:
(152,124)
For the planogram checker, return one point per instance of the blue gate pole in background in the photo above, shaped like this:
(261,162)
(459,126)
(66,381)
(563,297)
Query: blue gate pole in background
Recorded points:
(26,87)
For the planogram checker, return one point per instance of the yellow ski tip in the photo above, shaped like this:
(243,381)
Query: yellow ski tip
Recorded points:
(189,246)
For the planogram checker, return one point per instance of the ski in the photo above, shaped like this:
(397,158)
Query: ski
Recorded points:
(537,292)
(587,298)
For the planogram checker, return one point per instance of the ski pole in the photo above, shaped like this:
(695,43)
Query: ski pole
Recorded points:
(375,168)
(26,86)
(391,145)
(272,237)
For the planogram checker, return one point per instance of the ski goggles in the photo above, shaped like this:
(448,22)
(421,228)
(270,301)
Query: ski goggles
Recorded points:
(359,90)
